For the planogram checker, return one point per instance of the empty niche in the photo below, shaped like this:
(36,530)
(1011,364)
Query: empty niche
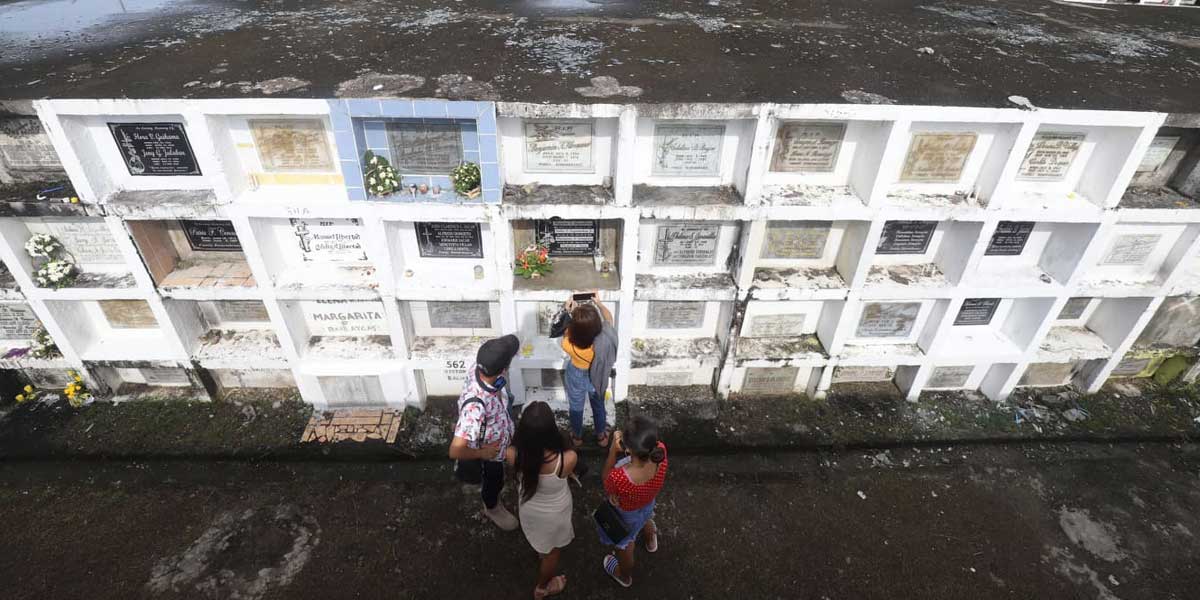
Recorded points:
(149,381)
(226,333)
(547,385)
(1165,175)
(927,254)
(807,255)
(1001,328)
(112,329)
(1028,253)
(192,253)
(1138,255)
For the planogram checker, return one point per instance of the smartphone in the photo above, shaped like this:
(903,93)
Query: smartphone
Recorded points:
(583,297)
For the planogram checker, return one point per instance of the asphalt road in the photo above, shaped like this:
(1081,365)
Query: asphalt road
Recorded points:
(1056,521)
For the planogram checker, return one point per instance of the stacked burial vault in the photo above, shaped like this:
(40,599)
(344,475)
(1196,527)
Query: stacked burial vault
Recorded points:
(750,249)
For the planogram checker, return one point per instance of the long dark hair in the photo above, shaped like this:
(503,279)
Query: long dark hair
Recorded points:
(536,433)
(640,438)
(584,327)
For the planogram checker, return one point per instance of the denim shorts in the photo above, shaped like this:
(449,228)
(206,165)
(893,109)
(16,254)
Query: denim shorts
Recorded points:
(634,520)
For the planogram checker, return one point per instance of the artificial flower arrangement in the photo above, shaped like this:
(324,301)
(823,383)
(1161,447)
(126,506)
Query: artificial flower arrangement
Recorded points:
(55,265)
(465,178)
(76,392)
(379,175)
(42,345)
(533,262)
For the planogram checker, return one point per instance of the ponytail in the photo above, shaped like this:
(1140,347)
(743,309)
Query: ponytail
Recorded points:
(640,438)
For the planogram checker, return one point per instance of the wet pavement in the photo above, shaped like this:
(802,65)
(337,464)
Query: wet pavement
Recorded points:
(940,52)
(1020,521)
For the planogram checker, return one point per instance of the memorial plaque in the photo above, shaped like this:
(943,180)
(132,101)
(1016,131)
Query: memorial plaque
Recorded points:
(17,321)
(796,239)
(363,390)
(950,377)
(776,325)
(888,319)
(25,148)
(344,318)
(449,240)
(852,374)
(1074,308)
(244,311)
(1158,152)
(546,312)
(155,149)
(128,314)
(668,378)
(687,244)
(1130,366)
(1009,238)
(905,237)
(291,145)
(558,147)
(688,150)
(459,315)
(977,311)
(211,236)
(1047,374)
(1049,156)
(675,315)
(90,242)
(770,380)
(937,157)
(1131,249)
(330,240)
(569,237)
(425,148)
(807,147)
(161,376)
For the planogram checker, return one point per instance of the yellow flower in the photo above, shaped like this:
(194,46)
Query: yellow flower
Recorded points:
(78,378)
(74,200)
(20,397)
(29,389)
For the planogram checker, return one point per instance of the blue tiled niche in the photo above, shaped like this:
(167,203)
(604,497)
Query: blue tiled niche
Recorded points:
(360,125)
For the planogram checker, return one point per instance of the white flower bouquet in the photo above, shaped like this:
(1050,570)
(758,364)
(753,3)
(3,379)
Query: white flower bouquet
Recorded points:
(42,245)
(56,273)
(55,267)
(466,179)
(379,176)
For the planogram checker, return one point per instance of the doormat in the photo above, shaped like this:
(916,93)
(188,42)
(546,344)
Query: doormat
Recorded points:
(358,425)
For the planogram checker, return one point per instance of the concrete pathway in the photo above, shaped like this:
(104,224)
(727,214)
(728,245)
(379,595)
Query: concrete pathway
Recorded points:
(1019,521)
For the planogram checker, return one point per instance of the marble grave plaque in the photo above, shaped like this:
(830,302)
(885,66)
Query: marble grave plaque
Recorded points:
(888,319)
(17,321)
(90,242)
(344,318)
(776,325)
(459,315)
(668,378)
(976,311)
(330,240)
(243,311)
(1130,366)
(165,376)
(449,240)
(804,147)
(675,315)
(211,235)
(1131,249)
(905,237)
(950,377)
(853,374)
(688,150)
(291,145)
(558,147)
(769,380)
(1049,156)
(1009,238)
(25,147)
(569,237)
(795,239)
(155,149)
(1047,374)
(361,390)
(128,314)
(937,157)
(425,148)
(1158,152)
(687,244)
(1074,308)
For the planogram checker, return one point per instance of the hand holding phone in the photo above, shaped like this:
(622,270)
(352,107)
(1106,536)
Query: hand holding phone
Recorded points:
(583,296)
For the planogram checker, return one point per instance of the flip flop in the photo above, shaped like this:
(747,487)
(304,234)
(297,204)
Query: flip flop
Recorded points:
(652,543)
(552,589)
(610,567)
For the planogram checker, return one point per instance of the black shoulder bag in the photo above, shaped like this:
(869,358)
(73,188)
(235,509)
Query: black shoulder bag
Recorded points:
(471,469)
(610,521)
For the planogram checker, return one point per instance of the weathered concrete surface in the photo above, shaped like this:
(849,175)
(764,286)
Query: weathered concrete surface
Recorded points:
(949,522)
(1055,54)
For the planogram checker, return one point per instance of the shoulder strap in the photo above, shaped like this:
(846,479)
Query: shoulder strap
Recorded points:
(558,469)
(483,420)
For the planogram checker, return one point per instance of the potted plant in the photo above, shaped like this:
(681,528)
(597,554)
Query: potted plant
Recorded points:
(465,178)
(379,176)
(533,262)
(55,265)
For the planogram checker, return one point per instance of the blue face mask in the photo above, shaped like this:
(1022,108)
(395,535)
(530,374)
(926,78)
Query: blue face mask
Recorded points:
(500,382)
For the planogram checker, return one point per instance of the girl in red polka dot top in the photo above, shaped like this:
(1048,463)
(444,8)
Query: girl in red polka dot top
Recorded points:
(633,475)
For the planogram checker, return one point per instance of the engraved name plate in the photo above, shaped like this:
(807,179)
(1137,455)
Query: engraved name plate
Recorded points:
(807,147)
(977,311)
(776,325)
(675,315)
(1074,308)
(128,314)
(937,157)
(1131,249)
(211,235)
(425,148)
(905,237)
(1009,238)
(90,242)
(155,149)
(852,374)
(1047,374)
(796,239)
(346,318)
(949,377)
(25,147)
(329,240)
(769,380)
(1158,152)
(669,378)
(688,150)
(449,240)
(1049,156)
(888,319)
(459,315)
(245,311)
(291,145)
(552,147)
(17,321)
(569,237)
(686,244)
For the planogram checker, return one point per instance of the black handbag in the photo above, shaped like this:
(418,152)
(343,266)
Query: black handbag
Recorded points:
(610,521)
(471,469)
(558,325)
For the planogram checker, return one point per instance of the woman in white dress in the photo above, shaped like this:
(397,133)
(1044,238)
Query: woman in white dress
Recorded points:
(544,463)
